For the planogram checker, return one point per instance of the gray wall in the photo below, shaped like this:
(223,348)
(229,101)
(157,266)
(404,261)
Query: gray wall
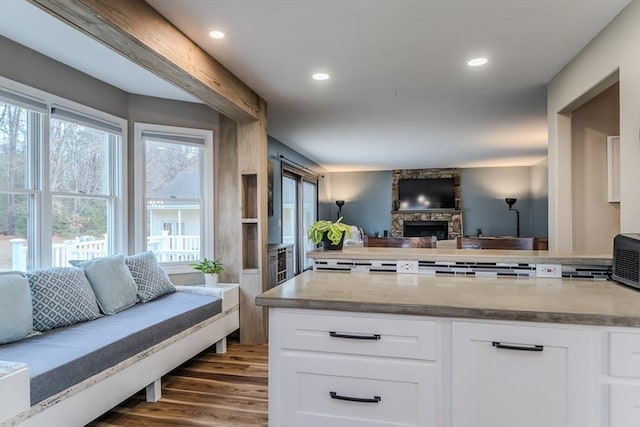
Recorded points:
(368,199)
(31,68)
(540,198)
(274,149)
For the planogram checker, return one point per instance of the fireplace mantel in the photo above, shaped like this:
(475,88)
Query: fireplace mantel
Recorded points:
(452,216)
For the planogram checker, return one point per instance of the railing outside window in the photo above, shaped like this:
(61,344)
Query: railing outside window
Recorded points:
(165,247)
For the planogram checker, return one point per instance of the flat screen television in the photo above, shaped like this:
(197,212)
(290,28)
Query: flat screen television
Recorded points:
(426,193)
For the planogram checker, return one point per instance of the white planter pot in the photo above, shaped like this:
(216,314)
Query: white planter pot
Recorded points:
(210,280)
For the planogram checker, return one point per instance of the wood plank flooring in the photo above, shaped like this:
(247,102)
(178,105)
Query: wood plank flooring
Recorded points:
(218,390)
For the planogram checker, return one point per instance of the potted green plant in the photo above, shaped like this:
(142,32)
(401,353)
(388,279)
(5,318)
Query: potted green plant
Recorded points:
(331,234)
(478,232)
(210,268)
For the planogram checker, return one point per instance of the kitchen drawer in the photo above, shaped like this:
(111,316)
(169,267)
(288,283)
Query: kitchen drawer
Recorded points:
(505,375)
(372,335)
(624,349)
(400,392)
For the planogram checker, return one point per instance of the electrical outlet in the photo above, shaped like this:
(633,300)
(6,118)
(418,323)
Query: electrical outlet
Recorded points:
(549,270)
(407,266)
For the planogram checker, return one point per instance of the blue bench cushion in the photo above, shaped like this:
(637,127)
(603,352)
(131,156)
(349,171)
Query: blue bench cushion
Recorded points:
(66,356)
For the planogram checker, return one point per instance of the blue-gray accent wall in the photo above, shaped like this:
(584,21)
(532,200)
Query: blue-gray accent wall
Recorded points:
(367,197)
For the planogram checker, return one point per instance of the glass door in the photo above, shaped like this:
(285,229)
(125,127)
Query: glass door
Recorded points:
(290,213)
(299,212)
(309,216)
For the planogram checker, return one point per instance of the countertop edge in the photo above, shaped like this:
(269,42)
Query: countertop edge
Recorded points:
(452,312)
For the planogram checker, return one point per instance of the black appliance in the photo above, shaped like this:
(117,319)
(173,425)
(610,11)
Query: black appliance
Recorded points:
(626,259)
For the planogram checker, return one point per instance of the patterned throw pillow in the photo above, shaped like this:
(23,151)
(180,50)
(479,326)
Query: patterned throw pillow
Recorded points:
(61,296)
(150,277)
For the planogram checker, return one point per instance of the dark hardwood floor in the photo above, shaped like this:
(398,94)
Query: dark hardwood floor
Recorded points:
(218,390)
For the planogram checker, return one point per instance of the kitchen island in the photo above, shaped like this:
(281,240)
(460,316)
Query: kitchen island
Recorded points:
(379,349)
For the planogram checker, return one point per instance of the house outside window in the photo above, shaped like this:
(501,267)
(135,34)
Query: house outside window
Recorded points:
(62,181)
(174,192)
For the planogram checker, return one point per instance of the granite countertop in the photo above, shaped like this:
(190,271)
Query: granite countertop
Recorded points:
(468,255)
(532,299)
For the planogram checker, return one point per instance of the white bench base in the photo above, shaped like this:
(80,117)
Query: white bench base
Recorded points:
(14,389)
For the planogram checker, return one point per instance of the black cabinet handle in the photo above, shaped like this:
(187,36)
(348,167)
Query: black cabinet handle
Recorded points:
(335,334)
(335,395)
(536,347)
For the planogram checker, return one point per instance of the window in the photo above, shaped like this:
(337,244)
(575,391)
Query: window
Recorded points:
(174,191)
(61,183)
(20,138)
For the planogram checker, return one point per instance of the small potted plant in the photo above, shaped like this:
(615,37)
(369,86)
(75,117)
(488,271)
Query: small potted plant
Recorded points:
(478,232)
(331,234)
(210,268)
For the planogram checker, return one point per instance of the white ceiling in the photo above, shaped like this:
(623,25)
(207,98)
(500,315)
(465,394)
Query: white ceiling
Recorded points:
(400,95)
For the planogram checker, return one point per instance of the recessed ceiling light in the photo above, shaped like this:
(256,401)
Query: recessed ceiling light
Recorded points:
(216,34)
(321,76)
(477,62)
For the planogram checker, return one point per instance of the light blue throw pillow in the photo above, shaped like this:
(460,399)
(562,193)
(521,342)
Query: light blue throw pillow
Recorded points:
(16,316)
(112,283)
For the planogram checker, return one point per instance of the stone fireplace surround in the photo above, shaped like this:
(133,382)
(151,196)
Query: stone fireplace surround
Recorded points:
(453,217)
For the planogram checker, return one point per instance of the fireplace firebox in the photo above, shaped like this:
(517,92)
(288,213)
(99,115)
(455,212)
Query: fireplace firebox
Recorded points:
(440,229)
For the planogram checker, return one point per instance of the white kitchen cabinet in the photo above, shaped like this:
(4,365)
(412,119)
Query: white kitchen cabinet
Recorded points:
(624,380)
(624,405)
(352,369)
(526,376)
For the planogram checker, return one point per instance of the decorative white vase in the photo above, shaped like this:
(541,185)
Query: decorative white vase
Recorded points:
(210,280)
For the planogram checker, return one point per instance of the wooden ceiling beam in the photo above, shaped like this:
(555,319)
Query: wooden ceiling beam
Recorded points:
(137,31)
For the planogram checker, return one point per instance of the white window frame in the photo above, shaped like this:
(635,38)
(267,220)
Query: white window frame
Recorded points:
(42,218)
(207,184)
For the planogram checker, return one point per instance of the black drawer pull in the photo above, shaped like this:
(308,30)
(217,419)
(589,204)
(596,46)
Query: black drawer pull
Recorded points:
(536,347)
(335,395)
(335,334)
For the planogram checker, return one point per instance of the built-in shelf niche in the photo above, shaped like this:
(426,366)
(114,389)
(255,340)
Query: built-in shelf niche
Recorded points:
(249,245)
(250,238)
(249,196)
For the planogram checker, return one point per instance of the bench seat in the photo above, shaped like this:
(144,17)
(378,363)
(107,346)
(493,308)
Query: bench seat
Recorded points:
(62,357)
